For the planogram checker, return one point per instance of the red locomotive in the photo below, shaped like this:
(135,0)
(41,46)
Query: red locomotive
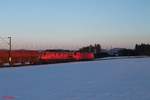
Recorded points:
(23,57)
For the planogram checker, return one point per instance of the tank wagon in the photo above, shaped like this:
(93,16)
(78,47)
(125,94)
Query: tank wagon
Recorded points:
(24,57)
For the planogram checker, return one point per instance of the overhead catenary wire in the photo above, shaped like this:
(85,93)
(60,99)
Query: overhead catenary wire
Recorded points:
(5,41)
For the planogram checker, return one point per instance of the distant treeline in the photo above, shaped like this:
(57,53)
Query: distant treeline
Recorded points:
(96,49)
(92,48)
(139,50)
(143,49)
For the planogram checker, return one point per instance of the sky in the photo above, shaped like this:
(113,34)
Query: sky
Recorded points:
(71,24)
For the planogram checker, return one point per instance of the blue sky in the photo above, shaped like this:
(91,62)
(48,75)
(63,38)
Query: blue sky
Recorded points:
(70,24)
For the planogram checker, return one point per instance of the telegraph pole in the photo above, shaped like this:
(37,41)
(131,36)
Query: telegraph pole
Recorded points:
(9,58)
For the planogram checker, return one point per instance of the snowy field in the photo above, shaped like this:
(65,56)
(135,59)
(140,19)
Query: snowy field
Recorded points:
(118,79)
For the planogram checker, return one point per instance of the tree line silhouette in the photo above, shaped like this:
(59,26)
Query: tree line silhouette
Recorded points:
(96,49)
(139,50)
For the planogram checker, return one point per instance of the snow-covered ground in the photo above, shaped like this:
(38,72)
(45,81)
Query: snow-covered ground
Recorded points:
(118,79)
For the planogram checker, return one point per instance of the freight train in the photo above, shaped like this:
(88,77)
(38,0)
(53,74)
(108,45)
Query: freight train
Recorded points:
(28,57)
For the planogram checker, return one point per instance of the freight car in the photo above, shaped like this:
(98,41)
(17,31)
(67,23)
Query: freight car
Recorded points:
(3,57)
(20,57)
(23,57)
